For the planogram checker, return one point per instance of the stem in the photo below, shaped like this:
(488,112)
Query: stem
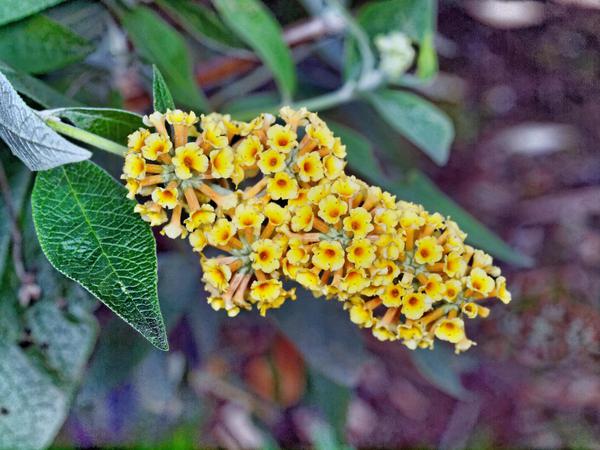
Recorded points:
(86,137)
(362,40)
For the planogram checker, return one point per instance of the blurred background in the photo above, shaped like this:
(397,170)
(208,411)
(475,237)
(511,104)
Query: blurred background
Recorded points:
(519,81)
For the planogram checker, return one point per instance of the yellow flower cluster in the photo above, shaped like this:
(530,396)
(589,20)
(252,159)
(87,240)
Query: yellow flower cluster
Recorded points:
(273,199)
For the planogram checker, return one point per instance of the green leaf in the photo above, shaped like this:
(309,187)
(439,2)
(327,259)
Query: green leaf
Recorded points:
(418,188)
(89,232)
(160,44)
(39,45)
(29,138)
(15,10)
(427,64)
(323,333)
(113,124)
(201,22)
(418,120)
(43,351)
(442,369)
(415,18)
(332,399)
(256,26)
(161,95)
(35,89)
(18,180)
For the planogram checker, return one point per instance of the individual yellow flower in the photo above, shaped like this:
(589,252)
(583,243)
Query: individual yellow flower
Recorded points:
(277,215)
(452,289)
(166,197)
(136,140)
(321,134)
(361,315)
(151,212)
(361,253)
(248,150)
(345,187)
(331,209)
(221,233)
(156,145)
(198,240)
(247,216)
(179,117)
(265,255)
(297,253)
(454,265)
(282,186)
(266,290)
(451,330)
(135,166)
(294,118)
(309,280)
(302,219)
(216,275)
(310,167)
(188,160)
(392,295)
(470,309)
(433,286)
(414,305)
(271,161)
(133,187)
(481,282)
(501,292)
(281,138)
(338,149)
(358,222)
(355,281)
(214,136)
(428,250)
(333,167)
(328,255)
(410,219)
(221,161)
(203,216)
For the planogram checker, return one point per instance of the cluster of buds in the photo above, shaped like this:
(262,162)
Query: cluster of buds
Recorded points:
(273,202)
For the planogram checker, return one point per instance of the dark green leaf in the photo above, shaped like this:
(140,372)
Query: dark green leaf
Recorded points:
(201,22)
(159,43)
(323,333)
(113,124)
(161,95)
(418,188)
(35,89)
(29,138)
(43,351)
(418,120)
(15,10)
(39,45)
(441,368)
(18,179)
(256,26)
(89,232)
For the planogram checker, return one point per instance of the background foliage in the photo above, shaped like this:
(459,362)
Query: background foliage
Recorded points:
(517,106)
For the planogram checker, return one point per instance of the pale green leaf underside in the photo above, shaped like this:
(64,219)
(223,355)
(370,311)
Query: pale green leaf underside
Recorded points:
(39,45)
(29,138)
(89,232)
